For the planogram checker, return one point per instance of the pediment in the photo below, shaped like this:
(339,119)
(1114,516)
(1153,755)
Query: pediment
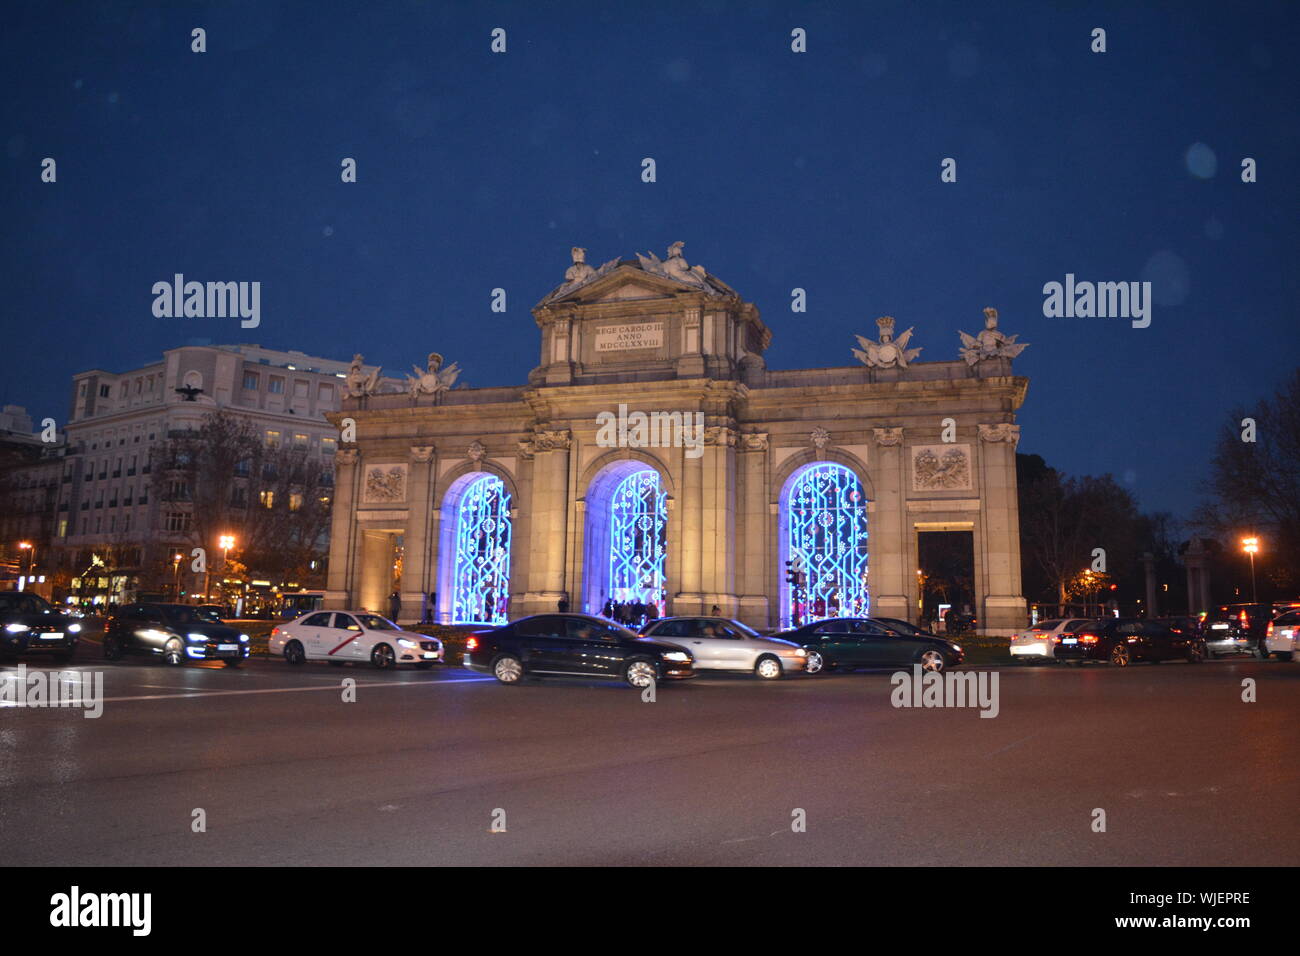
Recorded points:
(620,284)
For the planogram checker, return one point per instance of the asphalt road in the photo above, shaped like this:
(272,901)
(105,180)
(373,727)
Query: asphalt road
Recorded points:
(414,772)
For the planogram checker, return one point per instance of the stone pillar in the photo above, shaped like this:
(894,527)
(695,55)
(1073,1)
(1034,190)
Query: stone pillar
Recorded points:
(1000,592)
(1198,589)
(718,521)
(343,516)
(887,530)
(755,547)
(417,571)
(689,591)
(549,514)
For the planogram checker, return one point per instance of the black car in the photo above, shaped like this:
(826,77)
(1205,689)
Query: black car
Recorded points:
(850,642)
(174,634)
(574,645)
(1123,641)
(1237,629)
(30,625)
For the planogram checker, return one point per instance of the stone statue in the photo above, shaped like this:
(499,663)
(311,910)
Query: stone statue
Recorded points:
(888,352)
(358,382)
(579,271)
(675,267)
(990,343)
(434,379)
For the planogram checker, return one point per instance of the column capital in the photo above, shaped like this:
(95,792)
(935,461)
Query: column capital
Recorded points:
(421,453)
(1002,431)
(888,437)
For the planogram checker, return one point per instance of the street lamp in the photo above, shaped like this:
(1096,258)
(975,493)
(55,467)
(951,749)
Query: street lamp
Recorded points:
(31,555)
(176,576)
(1251,547)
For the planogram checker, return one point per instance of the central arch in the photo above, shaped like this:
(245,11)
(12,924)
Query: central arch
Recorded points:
(823,541)
(626,536)
(474,551)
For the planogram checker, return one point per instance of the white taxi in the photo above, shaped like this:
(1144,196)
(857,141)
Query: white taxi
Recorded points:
(358,637)
(1041,639)
(1283,636)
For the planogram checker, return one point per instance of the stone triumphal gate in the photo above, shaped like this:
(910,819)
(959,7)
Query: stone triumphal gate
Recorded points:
(654,457)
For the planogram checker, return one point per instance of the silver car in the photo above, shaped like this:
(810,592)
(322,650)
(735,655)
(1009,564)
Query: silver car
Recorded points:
(721,644)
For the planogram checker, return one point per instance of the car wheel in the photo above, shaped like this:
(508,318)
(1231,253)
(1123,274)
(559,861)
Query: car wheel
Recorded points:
(1195,653)
(294,654)
(173,654)
(113,650)
(383,657)
(768,668)
(815,663)
(231,662)
(508,669)
(1119,656)
(931,661)
(639,672)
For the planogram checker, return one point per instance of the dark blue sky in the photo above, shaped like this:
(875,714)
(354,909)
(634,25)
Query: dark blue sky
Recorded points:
(818,170)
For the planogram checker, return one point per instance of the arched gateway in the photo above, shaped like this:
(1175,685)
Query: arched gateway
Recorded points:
(652,456)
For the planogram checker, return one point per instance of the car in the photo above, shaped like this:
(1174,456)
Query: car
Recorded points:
(1283,636)
(1237,629)
(173,634)
(575,645)
(721,644)
(340,637)
(850,642)
(1123,641)
(1041,639)
(31,625)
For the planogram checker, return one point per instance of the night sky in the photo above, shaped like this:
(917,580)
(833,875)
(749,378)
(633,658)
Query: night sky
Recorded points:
(817,170)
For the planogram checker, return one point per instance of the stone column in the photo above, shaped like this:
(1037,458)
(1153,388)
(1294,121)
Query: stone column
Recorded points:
(888,528)
(1003,611)
(550,510)
(754,549)
(689,591)
(417,571)
(718,520)
(343,516)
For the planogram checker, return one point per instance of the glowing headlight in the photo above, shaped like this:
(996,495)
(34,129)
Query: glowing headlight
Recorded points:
(405,643)
(677,656)
(243,638)
(74,628)
(192,636)
(800,652)
(16,628)
(153,634)
(956,647)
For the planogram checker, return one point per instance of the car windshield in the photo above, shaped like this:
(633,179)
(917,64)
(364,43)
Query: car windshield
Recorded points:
(184,616)
(744,629)
(373,622)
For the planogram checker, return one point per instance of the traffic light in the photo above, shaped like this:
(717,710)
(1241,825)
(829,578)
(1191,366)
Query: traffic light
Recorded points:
(791,575)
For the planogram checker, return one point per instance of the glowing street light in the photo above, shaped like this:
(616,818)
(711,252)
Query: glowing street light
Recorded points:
(1251,547)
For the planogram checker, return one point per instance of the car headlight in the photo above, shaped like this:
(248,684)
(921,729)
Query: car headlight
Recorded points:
(154,634)
(957,648)
(16,628)
(243,638)
(194,636)
(405,643)
(74,628)
(800,652)
(677,656)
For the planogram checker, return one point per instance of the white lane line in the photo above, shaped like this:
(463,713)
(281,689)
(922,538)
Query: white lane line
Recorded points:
(292,690)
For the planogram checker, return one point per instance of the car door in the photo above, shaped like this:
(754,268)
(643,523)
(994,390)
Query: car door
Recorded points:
(593,648)
(311,633)
(1162,643)
(542,642)
(346,640)
(875,645)
(704,639)
(835,643)
(149,629)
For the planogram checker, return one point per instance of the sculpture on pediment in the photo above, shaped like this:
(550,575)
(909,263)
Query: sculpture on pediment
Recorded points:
(579,271)
(990,343)
(675,267)
(358,382)
(889,352)
(434,379)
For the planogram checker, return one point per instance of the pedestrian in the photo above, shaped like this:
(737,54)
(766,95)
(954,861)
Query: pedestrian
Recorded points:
(563,603)
(715,611)
(394,606)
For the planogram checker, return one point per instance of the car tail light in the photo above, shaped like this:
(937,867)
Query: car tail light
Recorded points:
(1056,639)
(275,631)
(1244,618)
(471,644)
(1087,638)
(1268,631)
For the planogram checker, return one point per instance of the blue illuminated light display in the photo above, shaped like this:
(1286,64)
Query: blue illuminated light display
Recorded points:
(637,539)
(481,589)
(826,518)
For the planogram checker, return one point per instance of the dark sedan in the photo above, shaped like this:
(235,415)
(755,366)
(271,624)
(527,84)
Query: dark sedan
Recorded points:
(1123,641)
(174,634)
(574,645)
(850,642)
(30,625)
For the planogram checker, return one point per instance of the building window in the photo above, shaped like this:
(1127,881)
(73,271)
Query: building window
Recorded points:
(824,541)
(267,498)
(103,391)
(250,381)
(275,385)
(299,441)
(177,521)
(272,439)
(328,446)
(295,500)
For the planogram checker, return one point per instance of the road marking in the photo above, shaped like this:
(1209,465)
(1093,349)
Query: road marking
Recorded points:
(294,690)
